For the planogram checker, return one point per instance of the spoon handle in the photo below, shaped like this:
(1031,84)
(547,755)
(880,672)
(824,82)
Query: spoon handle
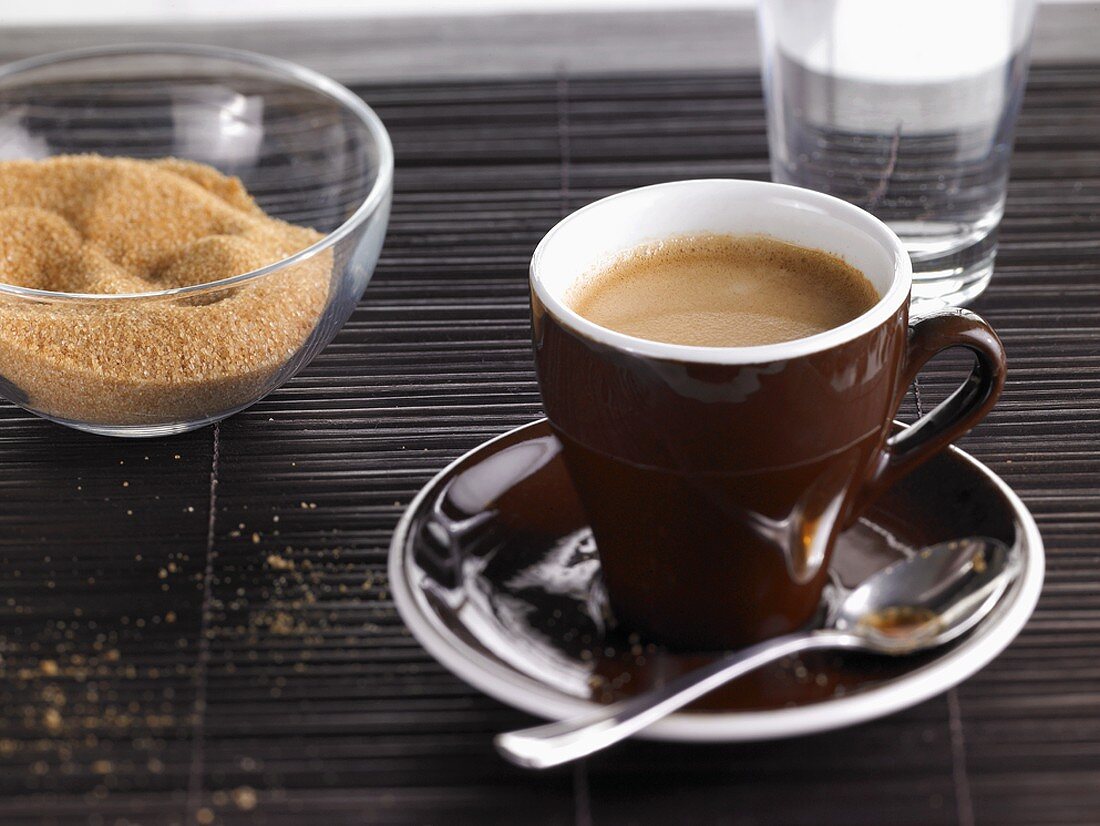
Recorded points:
(555,743)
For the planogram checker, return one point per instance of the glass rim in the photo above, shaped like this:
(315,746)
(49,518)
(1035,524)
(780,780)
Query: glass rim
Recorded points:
(289,71)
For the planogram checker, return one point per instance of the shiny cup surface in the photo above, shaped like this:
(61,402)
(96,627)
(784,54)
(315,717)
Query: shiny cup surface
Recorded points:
(716,479)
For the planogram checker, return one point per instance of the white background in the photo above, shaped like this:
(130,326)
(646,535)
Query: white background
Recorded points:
(32,12)
(149,11)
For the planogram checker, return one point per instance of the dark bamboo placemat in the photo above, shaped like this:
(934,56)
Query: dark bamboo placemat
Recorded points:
(198,629)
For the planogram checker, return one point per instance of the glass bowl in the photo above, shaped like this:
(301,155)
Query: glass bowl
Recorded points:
(153,363)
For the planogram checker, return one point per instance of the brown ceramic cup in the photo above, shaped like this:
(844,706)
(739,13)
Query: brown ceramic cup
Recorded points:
(716,479)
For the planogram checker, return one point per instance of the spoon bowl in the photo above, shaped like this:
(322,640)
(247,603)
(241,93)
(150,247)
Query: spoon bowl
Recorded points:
(929,599)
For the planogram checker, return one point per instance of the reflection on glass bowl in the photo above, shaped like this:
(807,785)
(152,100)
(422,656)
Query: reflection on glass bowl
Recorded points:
(308,150)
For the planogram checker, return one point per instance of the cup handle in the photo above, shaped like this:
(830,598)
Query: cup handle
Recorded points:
(929,335)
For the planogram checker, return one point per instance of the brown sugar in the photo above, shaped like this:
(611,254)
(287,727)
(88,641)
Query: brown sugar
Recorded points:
(111,226)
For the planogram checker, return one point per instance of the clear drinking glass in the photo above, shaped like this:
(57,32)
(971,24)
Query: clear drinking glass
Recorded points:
(907,109)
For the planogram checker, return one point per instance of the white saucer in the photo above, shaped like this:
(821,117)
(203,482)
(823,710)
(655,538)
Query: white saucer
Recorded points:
(493,571)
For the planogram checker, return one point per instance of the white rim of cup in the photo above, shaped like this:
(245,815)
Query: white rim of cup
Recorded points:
(796,198)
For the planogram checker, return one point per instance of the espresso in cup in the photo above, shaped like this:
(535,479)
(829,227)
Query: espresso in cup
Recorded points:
(722,361)
(713,290)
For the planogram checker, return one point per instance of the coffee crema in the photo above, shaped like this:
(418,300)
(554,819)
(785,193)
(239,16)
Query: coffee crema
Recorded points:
(715,290)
